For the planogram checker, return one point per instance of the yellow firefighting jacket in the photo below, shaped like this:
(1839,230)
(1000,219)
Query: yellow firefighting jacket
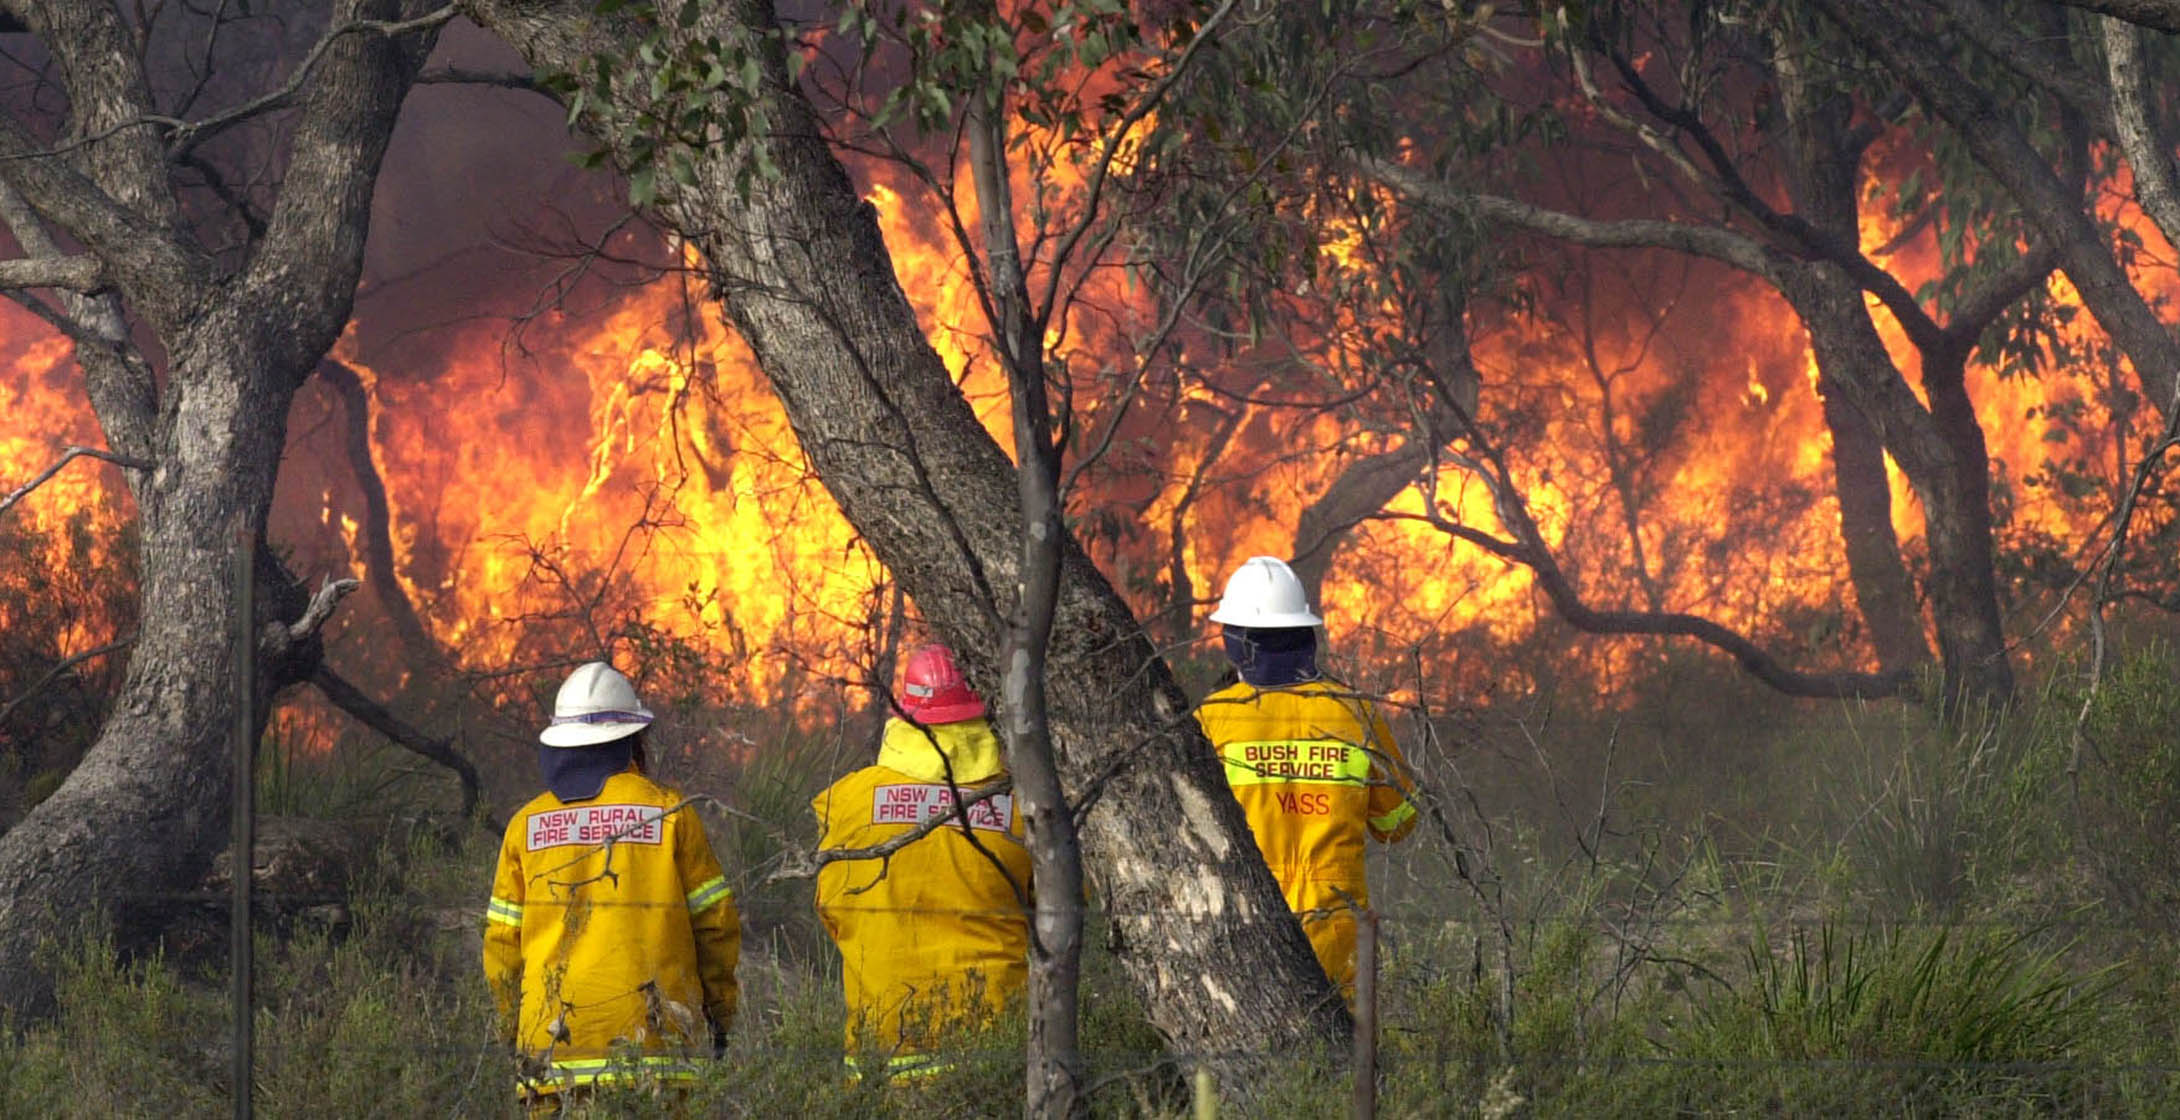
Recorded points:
(1315,769)
(618,956)
(935,937)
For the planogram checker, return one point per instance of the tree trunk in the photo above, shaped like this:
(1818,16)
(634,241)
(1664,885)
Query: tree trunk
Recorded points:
(1884,596)
(1053,1072)
(1220,963)
(148,806)
(145,810)
(1943,456)
(1823,169)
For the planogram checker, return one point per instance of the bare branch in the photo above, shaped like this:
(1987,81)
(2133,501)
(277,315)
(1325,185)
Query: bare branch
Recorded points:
(1103,166)
(68,456)
(2149,158)
(806,865)
(1703,241)
(330,593)
(1530,549)
(455,76)
(83,273)
(348,698)
(65,664)
(186,135)
(1820,244)
(2163,15)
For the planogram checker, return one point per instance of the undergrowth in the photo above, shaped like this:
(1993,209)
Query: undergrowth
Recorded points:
(1863,911)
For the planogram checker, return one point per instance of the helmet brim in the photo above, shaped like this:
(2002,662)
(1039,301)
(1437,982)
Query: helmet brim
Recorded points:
(588,734)
(1265,620)
(947,713)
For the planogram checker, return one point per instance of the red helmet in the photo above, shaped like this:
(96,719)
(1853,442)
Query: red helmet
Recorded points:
(932,690)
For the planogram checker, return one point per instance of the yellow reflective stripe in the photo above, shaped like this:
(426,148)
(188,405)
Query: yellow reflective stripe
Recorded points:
(591,1071)
(502,911)
(1260,761)
(1394,819)
(902,1065)
(708,893)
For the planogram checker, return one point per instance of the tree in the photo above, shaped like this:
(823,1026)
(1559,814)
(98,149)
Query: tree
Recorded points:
(798,263)
(1751,130)
(197,306)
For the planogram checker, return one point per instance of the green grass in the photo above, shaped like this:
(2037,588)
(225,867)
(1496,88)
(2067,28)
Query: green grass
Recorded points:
(1758,908)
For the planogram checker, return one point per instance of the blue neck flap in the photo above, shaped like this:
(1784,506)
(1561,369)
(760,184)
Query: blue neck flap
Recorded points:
(580,773)
(1273,658)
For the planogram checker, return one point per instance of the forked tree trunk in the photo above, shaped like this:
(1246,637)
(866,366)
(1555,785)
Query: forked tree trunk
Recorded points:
(148,806)
(1823,167)
(1203,933)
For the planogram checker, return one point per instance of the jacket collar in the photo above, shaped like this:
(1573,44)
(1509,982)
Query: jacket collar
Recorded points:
(968,746)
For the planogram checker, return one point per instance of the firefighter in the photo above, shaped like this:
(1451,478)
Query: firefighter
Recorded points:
(610,962)
(1312,763)
(933,936)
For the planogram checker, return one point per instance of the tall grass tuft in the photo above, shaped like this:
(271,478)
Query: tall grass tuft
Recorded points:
(1937,1019)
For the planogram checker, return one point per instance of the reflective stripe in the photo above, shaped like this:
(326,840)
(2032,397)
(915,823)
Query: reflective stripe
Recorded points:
(595,1071)
(1394,819)
(1261,761)
(903,1065)
(708,893)
(504,912)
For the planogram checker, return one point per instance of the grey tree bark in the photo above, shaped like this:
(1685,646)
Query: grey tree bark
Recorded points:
(804,275)
(1054,1084)
(148,806)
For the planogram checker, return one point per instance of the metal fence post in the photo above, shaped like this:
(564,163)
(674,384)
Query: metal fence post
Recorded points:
(1366,1014)
(239,948)
(1204,1095)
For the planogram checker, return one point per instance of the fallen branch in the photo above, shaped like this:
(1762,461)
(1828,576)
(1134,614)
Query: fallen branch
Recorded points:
(348,698)
(71,454)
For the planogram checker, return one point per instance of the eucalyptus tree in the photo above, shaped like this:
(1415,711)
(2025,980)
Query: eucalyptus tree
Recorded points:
(702,107)
(197,301)
(1756,136)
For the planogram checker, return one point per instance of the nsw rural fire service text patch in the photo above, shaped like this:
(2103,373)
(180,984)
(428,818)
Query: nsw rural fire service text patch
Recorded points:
(915,804)
(592,824)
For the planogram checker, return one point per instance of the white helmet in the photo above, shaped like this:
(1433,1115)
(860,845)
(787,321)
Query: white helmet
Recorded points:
(1263,594)
(596,705)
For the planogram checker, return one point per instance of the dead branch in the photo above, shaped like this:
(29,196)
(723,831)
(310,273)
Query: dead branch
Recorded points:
(352,700)
(606,845)
(83,273)
(2162,15)
(330,592)
(65,664)
(1529,549)
(498,79)
(377,536)
(808,864)
(73,452)
(184,136)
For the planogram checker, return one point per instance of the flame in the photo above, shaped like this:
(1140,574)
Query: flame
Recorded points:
(629,478)
(62,535)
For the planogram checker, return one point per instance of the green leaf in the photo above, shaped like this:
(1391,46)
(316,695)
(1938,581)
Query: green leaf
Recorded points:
(642,186)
